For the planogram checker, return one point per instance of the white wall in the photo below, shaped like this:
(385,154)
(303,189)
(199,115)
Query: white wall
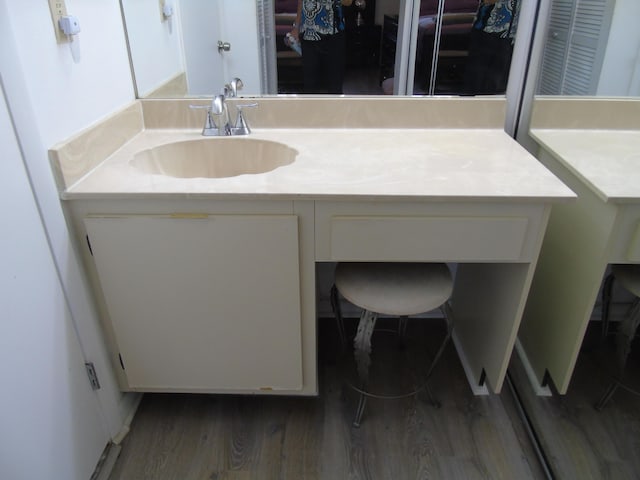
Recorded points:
(52,426)
(620,74)
(51,98)
(155,43)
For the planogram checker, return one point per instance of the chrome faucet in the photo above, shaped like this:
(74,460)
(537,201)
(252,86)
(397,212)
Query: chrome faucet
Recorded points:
(218,122)
(235,85)
(220,111)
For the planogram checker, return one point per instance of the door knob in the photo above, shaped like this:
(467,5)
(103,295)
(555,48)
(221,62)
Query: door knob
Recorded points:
(223,46)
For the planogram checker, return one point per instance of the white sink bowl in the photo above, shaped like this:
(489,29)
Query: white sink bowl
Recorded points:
(214,158)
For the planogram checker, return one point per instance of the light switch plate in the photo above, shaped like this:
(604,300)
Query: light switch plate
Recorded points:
(58,9)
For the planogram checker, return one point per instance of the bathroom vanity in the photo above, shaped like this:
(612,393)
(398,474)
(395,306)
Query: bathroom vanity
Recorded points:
(209,284)
(593,145)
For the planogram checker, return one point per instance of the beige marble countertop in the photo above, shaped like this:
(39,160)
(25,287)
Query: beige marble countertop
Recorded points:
(430,164)
(607,160)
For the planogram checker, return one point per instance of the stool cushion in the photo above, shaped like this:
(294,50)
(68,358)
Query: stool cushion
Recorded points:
(628,276)
(395,288)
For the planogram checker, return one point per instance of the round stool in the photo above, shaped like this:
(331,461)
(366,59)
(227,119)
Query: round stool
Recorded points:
(398,289)
(628,276)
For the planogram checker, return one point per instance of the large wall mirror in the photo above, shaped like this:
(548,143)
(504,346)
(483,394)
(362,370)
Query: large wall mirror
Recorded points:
(582,47)
(590,48)
(192,47)
(392,46)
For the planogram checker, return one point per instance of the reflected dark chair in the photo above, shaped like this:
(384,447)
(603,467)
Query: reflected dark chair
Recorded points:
(397,289)
(627,276)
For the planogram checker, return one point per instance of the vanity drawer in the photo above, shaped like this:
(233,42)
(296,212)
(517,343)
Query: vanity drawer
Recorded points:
(421,238)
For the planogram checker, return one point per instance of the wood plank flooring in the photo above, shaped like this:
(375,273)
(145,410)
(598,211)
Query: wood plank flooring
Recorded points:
(262,437)
(579,441)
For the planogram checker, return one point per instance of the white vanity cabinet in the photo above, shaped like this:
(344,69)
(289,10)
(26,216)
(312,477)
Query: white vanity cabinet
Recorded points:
(202,302)
(222,297)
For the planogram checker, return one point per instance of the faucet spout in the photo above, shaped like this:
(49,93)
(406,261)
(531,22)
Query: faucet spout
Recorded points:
(219,109)
(218,121)
(235,84)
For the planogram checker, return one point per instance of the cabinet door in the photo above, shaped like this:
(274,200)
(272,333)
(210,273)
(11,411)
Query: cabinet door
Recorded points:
(208,303)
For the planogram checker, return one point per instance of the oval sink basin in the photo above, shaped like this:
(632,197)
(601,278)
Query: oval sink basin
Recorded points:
(214,158)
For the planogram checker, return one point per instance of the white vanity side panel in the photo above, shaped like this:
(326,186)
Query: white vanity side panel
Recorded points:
(235,326)
(572,263)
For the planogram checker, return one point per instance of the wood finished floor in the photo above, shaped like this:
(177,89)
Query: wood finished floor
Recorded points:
(579,441)
(260,437)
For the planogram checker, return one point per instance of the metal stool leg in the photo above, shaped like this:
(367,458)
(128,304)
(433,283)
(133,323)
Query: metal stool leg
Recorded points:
(362,402)
(624,336)
(607,395)
(606,302)
(337,311)
(448,316)
(362,353)
(402,331)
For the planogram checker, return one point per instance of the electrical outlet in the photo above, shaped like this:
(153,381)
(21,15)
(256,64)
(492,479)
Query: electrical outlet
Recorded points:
(166,9)
(58,9)
(162,17)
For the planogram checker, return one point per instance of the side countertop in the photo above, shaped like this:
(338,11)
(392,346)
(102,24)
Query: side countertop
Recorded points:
(606,160)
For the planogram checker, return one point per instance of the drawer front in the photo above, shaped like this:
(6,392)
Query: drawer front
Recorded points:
(426,238)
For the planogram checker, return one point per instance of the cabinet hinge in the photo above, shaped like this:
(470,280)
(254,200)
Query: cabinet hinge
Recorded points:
(89,245)
(121,362)
(93,376)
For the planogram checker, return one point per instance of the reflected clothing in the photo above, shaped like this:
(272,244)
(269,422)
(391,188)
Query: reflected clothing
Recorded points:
(323,44)
(491,47)
(321,17)
(500,18)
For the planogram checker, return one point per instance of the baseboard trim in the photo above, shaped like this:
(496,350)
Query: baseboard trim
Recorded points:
(136,398)
(473,382)
(539,389)
(107,462)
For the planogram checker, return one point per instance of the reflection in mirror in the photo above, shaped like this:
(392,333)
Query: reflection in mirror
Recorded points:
(465,46)
(353,41)
(180,55)
(591,49)
(196,50)
(587,49)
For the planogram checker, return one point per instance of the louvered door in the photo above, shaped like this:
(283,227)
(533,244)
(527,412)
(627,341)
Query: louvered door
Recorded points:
(576,39)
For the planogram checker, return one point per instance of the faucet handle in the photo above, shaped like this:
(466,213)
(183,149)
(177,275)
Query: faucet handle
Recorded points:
(242,127)
(208,123)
